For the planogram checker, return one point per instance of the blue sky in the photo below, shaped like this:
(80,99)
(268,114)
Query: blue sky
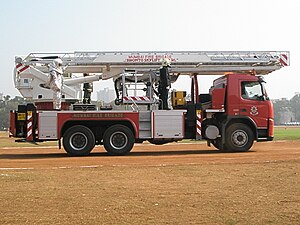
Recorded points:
(73,25)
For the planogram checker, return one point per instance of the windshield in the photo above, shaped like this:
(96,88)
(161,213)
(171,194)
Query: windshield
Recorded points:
(252,90)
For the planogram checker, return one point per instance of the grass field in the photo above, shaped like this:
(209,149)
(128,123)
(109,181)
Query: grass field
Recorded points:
(5,141)
(287,133)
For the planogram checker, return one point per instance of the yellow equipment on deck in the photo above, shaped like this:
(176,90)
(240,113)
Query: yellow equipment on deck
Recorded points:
(178,99)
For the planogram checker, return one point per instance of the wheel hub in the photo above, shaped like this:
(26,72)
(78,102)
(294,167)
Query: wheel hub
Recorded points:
(78,141)
(118,140)
(239,138)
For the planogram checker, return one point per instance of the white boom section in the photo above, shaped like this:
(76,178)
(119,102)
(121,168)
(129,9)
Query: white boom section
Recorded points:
(28,83)
(112,64)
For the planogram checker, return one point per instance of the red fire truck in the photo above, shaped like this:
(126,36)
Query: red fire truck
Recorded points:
(234,113)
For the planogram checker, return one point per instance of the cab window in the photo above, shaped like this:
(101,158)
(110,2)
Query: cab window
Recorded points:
(251,90)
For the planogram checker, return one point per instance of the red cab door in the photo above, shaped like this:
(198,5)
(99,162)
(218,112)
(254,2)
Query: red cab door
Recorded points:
(253,102)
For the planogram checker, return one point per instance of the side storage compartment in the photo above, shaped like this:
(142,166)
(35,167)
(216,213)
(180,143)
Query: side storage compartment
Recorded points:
(168,124)
(47,125)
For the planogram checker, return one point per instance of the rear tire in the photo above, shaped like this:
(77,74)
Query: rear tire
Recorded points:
(78,141)
(239,137)
(118,140)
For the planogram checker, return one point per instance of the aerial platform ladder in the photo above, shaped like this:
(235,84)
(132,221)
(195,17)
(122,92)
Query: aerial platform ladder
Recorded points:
(201,62)
(138,64)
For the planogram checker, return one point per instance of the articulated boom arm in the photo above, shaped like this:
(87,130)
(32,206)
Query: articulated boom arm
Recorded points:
(207,62)
(112,64)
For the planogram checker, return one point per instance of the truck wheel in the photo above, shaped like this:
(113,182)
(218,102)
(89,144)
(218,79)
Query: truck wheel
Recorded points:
(118,140)
(78,141)
(239,137)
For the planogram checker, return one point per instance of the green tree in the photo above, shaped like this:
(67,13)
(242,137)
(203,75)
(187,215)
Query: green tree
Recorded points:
(279,107)
(6,106)
(295,106)
(284,105)
(6,98)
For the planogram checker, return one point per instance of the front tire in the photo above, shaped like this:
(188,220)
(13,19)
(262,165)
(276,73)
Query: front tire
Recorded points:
(118,140)
(239,137)
(78,141)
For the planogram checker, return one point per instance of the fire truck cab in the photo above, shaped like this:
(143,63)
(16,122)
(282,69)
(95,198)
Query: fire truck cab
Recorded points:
(240,112)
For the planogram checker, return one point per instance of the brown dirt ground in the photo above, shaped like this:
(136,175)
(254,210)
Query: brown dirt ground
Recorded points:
(147,154)
(170,184)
